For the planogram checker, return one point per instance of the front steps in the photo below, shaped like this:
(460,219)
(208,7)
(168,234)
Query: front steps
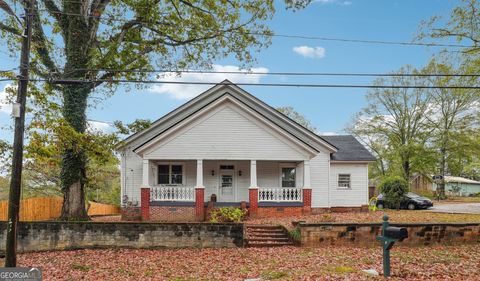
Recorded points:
(267,236)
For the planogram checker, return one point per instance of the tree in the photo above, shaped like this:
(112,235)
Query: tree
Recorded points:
(393,190)
(98,40)
(454,120)
(394,125)
(463,26)
(297,117)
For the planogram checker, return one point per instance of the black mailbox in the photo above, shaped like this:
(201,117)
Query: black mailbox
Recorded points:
(397,233)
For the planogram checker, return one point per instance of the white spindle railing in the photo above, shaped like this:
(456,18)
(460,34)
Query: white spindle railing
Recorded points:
(279,194)
(172,193)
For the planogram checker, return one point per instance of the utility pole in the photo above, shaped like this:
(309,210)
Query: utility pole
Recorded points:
(17,159)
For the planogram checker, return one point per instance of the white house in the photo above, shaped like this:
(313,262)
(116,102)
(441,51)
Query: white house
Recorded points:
(228,144)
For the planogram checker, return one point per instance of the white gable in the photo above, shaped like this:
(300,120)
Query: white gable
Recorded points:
(226,131)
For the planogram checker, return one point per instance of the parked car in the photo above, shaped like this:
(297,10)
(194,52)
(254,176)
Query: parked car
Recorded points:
(411,201)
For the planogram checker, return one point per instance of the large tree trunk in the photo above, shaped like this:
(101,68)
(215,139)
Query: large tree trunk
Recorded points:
(75,97)
(443,164)
(74,159)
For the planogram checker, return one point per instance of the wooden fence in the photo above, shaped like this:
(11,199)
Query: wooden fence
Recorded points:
(49,208)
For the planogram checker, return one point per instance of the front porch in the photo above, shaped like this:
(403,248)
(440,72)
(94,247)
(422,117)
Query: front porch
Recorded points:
(189,186)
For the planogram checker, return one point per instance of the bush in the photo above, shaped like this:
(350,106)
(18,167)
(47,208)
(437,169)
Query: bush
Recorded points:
(393,190)
(227,214)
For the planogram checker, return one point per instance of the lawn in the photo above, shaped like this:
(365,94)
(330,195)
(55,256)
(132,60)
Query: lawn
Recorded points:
(287,263)
(402,216)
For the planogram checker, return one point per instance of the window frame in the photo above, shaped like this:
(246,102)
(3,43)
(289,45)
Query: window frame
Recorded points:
(280,178)
(170,164)
(349,181)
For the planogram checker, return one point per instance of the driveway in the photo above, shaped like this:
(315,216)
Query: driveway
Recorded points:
(457,208)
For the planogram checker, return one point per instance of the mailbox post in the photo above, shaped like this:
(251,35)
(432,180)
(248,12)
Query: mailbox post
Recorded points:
(389,236)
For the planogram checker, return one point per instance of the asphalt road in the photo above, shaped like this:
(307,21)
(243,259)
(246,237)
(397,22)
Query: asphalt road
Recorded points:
(458,208)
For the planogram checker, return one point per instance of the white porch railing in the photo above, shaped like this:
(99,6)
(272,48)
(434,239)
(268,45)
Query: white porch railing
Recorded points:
(280,194)
(172,193)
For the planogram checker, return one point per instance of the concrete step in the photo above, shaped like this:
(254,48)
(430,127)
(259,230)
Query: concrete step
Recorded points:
(269,244)
(268,239)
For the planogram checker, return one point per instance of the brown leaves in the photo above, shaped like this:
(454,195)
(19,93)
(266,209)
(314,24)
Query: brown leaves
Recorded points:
(286,263)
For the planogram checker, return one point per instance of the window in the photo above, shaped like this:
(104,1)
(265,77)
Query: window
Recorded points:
(227,167)
(288,177)
(343,181)
(170,174)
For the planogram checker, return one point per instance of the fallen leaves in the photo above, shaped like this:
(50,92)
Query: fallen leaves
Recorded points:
(285,263)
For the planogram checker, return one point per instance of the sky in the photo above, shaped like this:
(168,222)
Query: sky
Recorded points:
(329,110)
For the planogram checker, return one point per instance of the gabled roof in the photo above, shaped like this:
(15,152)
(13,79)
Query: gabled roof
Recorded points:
(453,179)
(211,95)
(349,149)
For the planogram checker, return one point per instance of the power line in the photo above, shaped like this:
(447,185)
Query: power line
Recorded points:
(96,81)
(291,36)
(276,73)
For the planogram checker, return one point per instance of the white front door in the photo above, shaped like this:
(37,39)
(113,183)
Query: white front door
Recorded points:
(227,186)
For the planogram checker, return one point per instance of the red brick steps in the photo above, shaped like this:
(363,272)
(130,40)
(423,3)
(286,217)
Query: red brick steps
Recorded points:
(267,236)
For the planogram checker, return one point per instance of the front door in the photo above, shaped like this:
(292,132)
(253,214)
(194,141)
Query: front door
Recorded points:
(227,186)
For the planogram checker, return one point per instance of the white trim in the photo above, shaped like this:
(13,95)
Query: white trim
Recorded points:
(286,165)
(145,173)
(253,174)
(306,174)
(233,173)
(199,173)
(169,171)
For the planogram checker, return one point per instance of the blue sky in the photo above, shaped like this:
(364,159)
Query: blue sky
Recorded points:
(329,110)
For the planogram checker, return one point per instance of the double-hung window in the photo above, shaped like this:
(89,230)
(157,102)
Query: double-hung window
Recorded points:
(170,174)
(288,177)
(344,181)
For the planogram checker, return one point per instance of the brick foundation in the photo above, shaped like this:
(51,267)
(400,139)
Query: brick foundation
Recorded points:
(307,200)
(172,213)
(131,214)
(145,201)
(253,201)
(280,211)
(199,204)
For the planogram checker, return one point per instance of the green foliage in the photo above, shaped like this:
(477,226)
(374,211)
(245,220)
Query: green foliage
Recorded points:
(297,117)
(295,234)
(227,214)
(393,190)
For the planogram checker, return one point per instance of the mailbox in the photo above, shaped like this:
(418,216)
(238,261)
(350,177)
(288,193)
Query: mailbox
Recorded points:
(390,235)
(397,233)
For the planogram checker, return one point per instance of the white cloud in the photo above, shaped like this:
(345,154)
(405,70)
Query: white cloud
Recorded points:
(5,105)
(187,91)
(98,126)
(327,133)
(338,2)
(310,52)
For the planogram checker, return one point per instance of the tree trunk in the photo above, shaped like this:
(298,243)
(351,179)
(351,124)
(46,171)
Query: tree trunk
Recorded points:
(74,159)
(441,185)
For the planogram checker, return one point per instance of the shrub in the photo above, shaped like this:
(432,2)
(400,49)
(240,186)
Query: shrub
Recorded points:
(295,235)
(227,214)
(393,190)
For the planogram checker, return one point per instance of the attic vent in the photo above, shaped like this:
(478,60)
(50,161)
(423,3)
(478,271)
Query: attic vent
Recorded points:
(227,167)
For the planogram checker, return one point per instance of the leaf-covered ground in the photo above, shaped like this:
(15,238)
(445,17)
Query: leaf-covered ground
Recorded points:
(402,216)
(287,263)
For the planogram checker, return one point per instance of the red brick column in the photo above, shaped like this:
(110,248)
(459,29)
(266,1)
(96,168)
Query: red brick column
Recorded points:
(253,200)
(307,200)
(145,203)
(199,203)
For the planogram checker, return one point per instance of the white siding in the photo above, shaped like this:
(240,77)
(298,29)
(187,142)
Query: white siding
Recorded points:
(319,178)
(132,170)
(357,194)
(226,132)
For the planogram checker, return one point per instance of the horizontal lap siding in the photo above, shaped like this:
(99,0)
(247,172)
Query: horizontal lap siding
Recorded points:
(227,134)
(319,180)
(357,194)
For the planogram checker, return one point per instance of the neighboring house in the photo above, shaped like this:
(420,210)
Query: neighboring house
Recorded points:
(421,183)
(458,186)
(229,144)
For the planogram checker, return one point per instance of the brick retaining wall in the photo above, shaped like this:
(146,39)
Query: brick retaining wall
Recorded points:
(46,236)
(364,234)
